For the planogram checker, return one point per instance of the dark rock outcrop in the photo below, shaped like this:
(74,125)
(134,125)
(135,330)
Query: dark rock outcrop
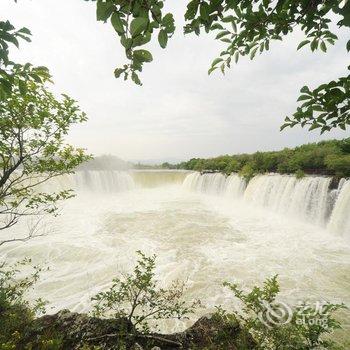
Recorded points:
(80,331)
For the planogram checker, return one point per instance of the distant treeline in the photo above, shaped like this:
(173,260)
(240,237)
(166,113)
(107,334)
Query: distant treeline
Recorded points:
(325,157)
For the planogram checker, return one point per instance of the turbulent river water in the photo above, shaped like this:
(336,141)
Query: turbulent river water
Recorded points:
(205,229)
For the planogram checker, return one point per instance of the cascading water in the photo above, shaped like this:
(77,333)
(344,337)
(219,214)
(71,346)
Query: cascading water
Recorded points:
(235,186)
(157,178)
(308,199)
(340,218)
(114,181)
(304,198)
(104,181)
(231,186)
(204,239)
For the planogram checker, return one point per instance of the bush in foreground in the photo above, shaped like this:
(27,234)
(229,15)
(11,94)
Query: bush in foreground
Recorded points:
(262,322)
(138,298)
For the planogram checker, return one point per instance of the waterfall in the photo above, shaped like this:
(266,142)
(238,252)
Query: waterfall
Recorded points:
(305,198)
(218,184)
(309,199)
(156,178)
(340,218)
(206,183)
(105,181)
(235,186)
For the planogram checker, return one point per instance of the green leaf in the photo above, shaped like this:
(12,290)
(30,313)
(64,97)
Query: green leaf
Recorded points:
(135,78)
(216,26)
(228,19)
(284,126)
(162,38)
(118,72)
(314,45)
(204,11)
(216,61)
(143,55)
(141,39)
(212,70)
(348,46)
(22,85)
(6,85)
(222,34)
(323,46)
(126,42)
(267,45)
(168,23)
(25,30)
(305,90)
(104,10)
(236,56)
(314,126)
(252,54)
(117,23)
(138,25)
(192,9)
(234,26)
(304,97)
(303,43)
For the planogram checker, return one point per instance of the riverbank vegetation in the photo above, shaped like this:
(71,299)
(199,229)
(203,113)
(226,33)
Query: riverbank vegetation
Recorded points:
(136,299)
(325,158)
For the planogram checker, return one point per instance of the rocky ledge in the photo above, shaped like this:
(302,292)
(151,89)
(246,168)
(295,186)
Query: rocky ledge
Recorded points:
(80,331)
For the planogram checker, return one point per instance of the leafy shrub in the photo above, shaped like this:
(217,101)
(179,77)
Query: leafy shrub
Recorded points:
(274,325)
(340,165)
(16,313)
(247,172)
(299,174)
(137,297)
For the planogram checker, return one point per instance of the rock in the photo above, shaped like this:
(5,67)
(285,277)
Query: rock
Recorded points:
(77,331)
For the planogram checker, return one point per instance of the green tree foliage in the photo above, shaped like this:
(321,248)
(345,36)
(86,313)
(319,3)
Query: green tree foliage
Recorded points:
(16,313)
(325,157)
(246,28)
(33,125)
(275,325)
(247,171)
(135,22)
(12,74)
(137,297)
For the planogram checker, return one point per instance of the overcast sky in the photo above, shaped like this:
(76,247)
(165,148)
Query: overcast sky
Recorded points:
(180,112)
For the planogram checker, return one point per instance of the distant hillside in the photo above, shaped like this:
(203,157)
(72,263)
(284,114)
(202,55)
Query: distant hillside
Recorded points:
(105,162)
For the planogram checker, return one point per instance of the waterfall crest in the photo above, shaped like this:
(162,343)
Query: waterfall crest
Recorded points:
(340,218)
(309,199)
(305,198)
(104,181)
(157,178)
(232,186)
